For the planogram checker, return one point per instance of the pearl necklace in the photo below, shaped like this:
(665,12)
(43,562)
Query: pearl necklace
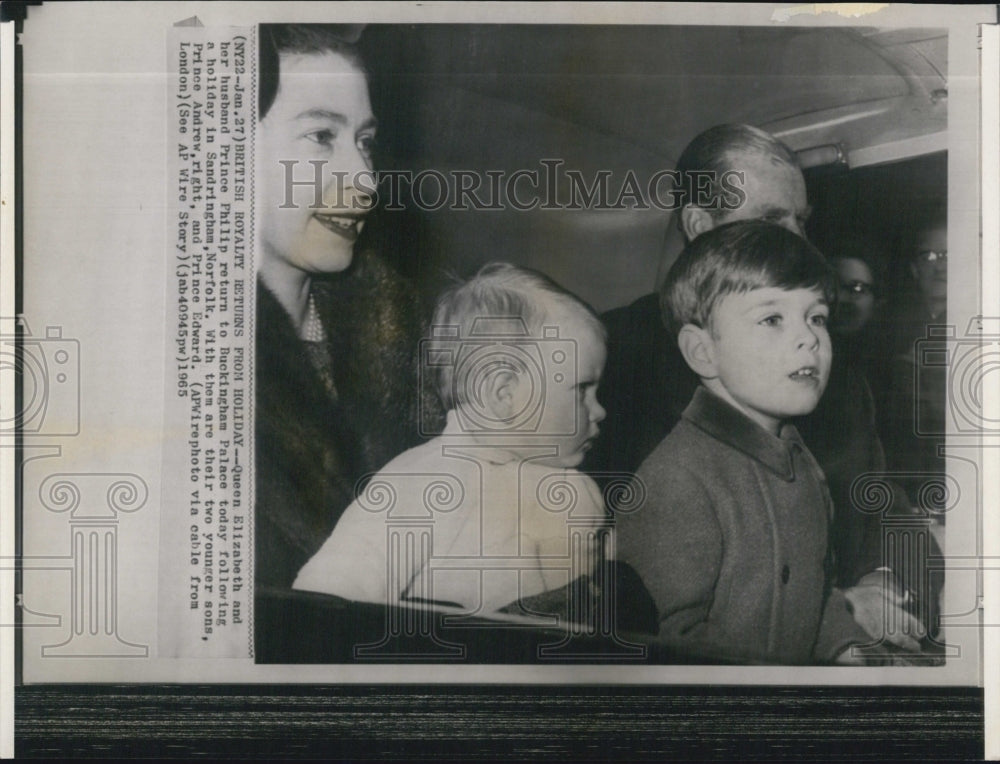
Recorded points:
(312,327)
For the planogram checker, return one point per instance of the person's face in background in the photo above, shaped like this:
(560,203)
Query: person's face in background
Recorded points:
(929,265)
(857,301)
(321,112)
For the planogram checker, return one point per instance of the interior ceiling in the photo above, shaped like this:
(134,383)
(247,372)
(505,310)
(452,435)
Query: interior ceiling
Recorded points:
(656,87)
(627,99)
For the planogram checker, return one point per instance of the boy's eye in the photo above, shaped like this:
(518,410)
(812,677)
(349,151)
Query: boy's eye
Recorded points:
(771,321)
(819,319)
(324,137)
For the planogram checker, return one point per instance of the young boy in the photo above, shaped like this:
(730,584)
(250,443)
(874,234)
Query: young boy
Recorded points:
(732,542)
(481,517)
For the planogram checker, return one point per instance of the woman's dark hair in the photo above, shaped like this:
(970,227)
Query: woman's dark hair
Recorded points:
(736,258)
(276,39)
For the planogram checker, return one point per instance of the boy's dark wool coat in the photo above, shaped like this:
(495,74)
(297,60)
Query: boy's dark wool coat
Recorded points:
(732,542)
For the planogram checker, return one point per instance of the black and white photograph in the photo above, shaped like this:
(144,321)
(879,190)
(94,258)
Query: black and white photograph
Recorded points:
(561,346)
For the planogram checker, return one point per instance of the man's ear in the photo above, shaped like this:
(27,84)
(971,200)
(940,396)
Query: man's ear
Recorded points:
(695,221)
(698,348)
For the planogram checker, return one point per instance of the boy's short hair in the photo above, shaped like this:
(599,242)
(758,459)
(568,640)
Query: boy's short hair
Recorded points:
(278,39)
(736,258)
(501,300)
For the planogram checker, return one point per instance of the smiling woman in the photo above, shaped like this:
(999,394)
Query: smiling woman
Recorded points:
(321,124)
(337,328)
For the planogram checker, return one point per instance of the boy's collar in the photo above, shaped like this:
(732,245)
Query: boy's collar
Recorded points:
(723,422)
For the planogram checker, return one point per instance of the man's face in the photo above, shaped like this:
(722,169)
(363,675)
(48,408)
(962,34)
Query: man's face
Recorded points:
(856,304)
(931,271)
(775,192)
(771,353)
(321,112)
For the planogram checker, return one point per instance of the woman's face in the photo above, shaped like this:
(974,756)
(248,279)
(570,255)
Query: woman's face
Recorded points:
(315,147)
(856,300)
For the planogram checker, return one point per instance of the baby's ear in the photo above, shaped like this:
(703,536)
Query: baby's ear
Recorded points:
(698,349)
(501,390)
(695,221)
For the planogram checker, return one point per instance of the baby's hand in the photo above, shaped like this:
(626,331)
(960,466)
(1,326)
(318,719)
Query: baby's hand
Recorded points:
(875,603)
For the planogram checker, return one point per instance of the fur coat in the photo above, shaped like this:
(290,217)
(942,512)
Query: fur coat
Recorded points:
(312,446)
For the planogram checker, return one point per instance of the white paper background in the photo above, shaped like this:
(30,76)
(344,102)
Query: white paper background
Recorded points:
(95,128)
